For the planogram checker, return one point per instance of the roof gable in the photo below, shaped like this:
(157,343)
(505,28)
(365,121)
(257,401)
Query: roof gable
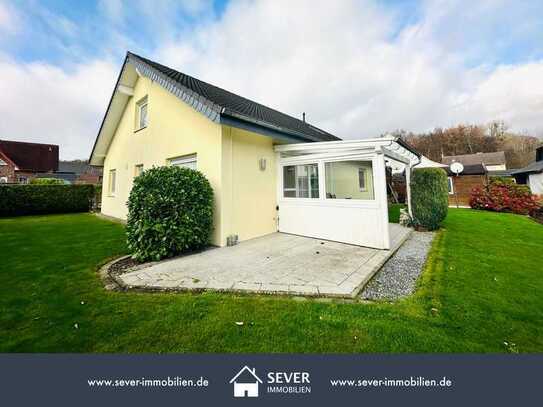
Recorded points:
(217,104)
(31,157)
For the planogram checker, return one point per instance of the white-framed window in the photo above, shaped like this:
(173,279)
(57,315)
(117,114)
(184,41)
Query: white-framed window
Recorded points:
(142,113)
(138,169)
(186,161)
(350,179)
(112,182)
(3,180)
(301,181)
(22,180)
(362,179)
(450,185)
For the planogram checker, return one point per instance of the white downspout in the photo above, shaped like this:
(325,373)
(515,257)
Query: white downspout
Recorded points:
(381,194)
(408,188)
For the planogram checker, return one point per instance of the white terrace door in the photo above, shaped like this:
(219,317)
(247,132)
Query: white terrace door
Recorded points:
(341,199)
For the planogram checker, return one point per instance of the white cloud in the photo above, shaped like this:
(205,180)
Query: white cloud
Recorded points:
(354,68)
(50,105)
(354,75)
(9,19)
(112,9)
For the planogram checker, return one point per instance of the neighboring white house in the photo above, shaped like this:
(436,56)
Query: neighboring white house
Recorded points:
(535,181)
(246,383)
(532,175)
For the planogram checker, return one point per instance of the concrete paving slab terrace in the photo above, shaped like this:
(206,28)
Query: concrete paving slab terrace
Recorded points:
(277,263)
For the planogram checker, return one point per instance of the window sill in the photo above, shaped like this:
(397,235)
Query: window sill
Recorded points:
(140,129)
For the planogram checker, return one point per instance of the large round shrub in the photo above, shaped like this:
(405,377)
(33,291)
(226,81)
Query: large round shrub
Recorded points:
(170,211)
(429,197)
(503,195)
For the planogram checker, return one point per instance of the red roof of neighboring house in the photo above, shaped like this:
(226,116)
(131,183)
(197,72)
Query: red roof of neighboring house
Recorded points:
(31,157)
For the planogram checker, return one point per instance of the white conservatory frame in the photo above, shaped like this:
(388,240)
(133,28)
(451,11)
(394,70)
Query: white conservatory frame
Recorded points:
(360,222)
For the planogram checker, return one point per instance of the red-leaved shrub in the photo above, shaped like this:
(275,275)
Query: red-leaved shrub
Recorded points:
(504,196)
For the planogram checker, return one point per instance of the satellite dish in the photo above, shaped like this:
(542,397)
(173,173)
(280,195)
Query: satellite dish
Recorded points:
(457,167)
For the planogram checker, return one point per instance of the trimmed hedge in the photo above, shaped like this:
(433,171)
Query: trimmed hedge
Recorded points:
(16,200)
(47,181)
(429,197)
(170,211)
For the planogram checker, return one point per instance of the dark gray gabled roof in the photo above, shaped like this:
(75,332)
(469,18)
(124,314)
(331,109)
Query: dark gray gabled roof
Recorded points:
(500,173)
(496,158)
(531,168)
(237,107)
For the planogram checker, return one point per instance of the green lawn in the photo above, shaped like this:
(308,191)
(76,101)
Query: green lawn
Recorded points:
(484,280)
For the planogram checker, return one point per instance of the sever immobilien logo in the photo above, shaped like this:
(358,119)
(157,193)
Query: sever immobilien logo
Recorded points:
(246,383)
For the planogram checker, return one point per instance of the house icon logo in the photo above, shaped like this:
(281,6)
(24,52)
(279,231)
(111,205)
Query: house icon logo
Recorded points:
(246,383)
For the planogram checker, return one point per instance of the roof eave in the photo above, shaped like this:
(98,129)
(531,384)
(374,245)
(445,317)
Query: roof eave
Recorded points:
(247,123)
(408,146)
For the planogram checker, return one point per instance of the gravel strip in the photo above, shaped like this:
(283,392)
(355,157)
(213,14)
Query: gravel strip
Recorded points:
(399,275)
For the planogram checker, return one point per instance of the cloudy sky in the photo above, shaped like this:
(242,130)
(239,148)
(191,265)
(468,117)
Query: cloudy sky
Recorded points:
(358,68)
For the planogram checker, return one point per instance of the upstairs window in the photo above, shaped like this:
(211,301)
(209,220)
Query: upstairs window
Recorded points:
(142,113)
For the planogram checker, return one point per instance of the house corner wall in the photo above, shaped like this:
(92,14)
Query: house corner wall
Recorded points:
(175,129)
(249,200)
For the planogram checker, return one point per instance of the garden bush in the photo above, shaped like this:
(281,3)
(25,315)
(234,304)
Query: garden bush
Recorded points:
(502,195)
(429,197)
(31,199)
(170,211)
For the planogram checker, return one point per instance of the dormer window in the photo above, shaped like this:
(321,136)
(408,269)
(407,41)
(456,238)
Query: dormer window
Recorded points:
(142,113)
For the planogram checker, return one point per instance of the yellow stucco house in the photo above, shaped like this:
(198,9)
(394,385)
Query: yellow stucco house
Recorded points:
(158,116)
(269,171)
